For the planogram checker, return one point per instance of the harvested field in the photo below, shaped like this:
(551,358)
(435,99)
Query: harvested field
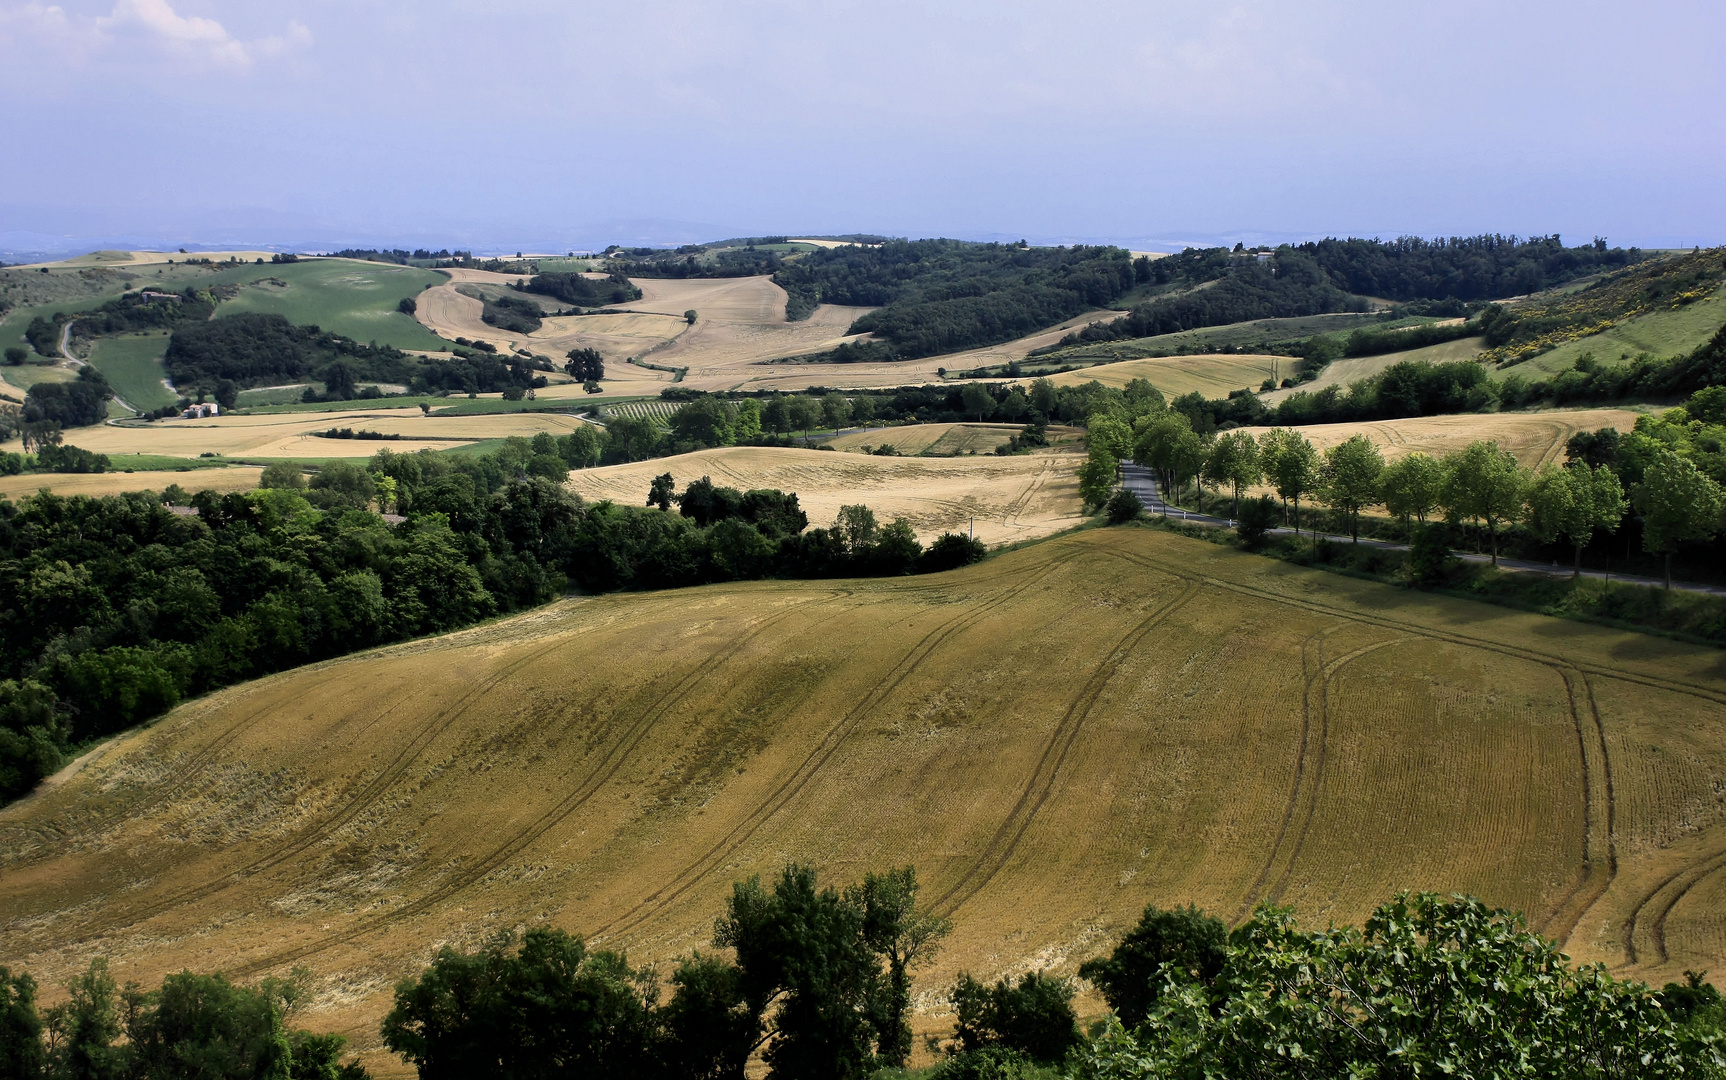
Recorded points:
(1054,738)
(1214,376)
(1011,498)
(739,322)
(233,478)
(937,439)
(1534,437)
(290,435)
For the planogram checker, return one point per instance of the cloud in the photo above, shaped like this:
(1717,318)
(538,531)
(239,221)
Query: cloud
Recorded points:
(134,34)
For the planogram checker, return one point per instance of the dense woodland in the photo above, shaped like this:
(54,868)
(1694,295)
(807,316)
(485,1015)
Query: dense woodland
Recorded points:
(583,291)
(813,982)
(114,609)
(939,296)
(1216,287)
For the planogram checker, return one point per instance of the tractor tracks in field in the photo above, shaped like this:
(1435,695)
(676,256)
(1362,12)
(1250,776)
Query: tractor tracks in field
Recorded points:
(788,789)
(596,778)
(1655,907)
(357,804)
(1041,782)
(1600,860)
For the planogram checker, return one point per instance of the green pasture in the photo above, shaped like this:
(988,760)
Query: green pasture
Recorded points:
(132,364)
(1663,333)
(347,297)
(24,376)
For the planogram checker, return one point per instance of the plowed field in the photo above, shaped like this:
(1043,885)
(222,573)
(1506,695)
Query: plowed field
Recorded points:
(1054,737)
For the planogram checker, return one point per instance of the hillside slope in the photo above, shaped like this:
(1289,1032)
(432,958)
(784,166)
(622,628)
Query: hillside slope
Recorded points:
(1054,738)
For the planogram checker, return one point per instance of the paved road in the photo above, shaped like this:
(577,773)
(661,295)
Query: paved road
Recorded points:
(1142,482)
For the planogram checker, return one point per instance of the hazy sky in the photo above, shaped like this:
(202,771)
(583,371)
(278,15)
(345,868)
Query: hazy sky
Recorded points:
(529,123)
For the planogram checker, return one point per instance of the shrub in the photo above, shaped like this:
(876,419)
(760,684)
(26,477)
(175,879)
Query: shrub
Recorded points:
(1124,506)
(1033,1017)
(1258,517)
(951,551)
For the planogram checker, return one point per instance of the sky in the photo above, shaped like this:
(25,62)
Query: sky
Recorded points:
(505,125)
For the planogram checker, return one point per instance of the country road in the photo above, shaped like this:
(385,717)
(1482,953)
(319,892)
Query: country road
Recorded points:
(1143,483)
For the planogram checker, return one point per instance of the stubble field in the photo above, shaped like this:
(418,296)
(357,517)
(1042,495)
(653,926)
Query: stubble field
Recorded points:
(1055,738)
(1009,498)
(1536,438)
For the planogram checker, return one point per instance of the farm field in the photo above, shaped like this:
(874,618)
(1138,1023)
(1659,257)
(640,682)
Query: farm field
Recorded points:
(1054,738)
(132,364)
(1345,371)
(290,435)
(1213,375)
(1534,437)
(345,296)
(1661,333)
(1011,498)
(945,438)
(233,478)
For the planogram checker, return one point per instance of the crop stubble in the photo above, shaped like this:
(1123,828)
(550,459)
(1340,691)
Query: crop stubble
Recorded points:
(1054,738)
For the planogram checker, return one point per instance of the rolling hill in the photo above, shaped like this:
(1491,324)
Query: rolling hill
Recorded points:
(1054,737)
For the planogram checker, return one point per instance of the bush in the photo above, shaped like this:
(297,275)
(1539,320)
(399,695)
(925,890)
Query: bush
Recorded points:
(951,551)
(1033,1017)
(1429,558)
(1258,517)
(1123,506)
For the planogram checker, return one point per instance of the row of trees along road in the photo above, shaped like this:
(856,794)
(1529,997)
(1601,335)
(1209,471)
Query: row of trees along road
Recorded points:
(814,983)
(1667,472)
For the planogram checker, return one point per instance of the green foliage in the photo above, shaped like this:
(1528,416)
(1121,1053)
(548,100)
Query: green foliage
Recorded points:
(546,1009)
(1484,483)
(1233,462)
(1291,465)
(1429,986)
(254,349)
(1256,519)
(1097,476)
(1123,506)
(22,1055)
(1179,945)
(1677,503)
(1350,478)
(1033,1017)
(70,459)
(951,551)
(34,736)
(1573,503)
(515,314)
(940,296)
(1412,486)
(584,364)
(583,291)
(79,403)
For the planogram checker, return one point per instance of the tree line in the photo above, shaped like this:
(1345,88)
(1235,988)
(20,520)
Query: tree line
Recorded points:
(938,296)
(583,291)
(1336,275)
(1668,474)
(813,982)
(114,609)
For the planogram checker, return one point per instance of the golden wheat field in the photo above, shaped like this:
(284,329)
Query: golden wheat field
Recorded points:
(292,435)
(946,439)
(1536,438)
(1054,738)
(235,478)
(1213,375)
(1004,498)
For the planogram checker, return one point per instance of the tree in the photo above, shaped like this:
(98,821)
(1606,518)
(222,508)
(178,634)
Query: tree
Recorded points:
(707,1030)
(1033,1017)
(1234,462)
(584,365)
(1155,447)
(84,1028)
(804,960)
(1124,506)
(547,1009)
(905,936)
(690,316)
(776,414)
(1097,476)
(803,413)
(40,433)
(202,1026)
(835,410)
(1573,502)
(856,524)
(581,447)
(1677,503)
(1485,483)
(975,398)
(1429,986)
(1291,464)
(1350,477)
(706,421)
(634,438)
(661,491)
(1183,944)
(1411,487)
(21,1051)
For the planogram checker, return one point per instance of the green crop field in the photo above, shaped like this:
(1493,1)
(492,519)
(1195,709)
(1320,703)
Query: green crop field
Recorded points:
(1663,333)
(24,376)
(355,299)
(660,412)
(132,364)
